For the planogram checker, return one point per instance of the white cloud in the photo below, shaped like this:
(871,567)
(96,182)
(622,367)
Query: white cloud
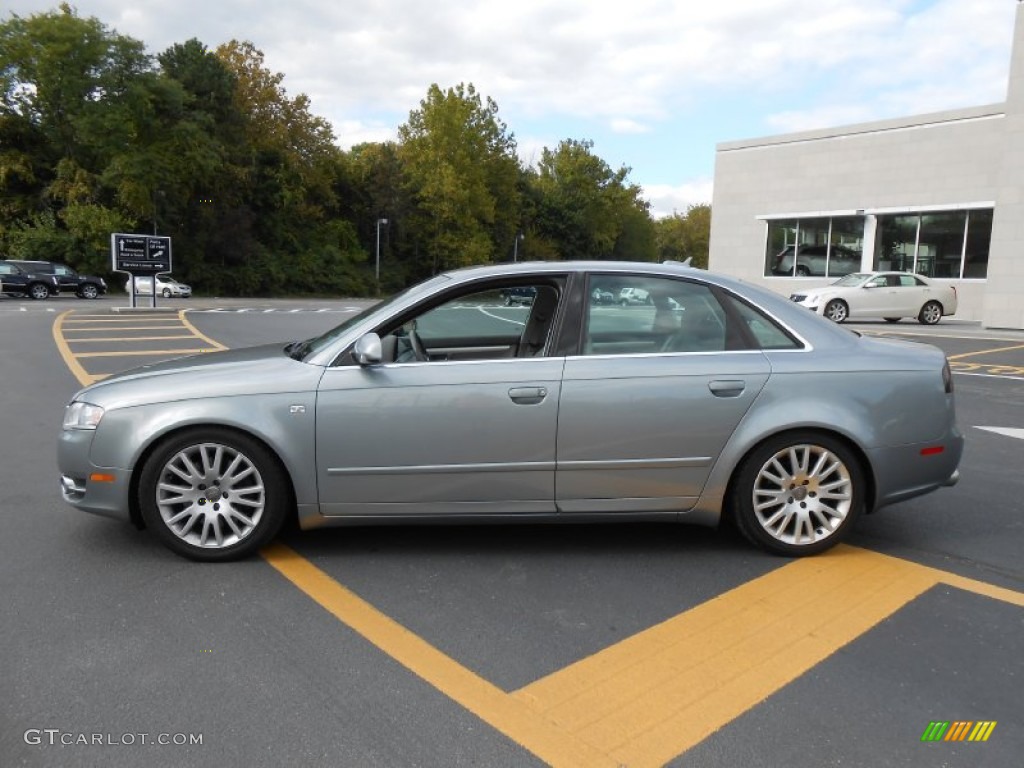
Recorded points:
(666,199)
(562,67)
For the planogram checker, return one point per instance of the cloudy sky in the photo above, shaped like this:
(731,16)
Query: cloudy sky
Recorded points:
(656,84)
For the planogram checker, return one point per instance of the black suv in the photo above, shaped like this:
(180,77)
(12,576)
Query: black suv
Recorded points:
(83,286)
(18,281)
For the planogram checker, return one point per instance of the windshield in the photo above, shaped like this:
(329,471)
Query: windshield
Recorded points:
(854,279)
(302,350)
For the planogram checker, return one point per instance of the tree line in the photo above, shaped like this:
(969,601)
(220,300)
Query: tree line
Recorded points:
(207,147)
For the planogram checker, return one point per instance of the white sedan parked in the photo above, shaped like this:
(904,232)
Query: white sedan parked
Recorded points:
(166,286)
(890,295)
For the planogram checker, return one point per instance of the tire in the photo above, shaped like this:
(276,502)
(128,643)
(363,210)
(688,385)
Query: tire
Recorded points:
(893,319)
(837,311)
(930,313)
(798,493)
(802,271)
(166,293)
(213,495)
(38,291)
(88,291)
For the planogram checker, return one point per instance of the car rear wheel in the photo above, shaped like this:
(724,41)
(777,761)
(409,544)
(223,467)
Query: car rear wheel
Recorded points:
(798,493)
(837,311)
(38,291)
(213,495)
(89,291)
(931,313)
(892,319)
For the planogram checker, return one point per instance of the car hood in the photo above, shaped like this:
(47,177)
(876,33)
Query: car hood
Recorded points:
(248,371)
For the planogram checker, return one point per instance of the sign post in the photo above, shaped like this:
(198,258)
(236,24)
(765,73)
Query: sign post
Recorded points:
(140,256)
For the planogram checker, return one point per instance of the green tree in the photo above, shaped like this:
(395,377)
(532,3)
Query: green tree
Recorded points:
(461,169)
(683,236)
(588,210)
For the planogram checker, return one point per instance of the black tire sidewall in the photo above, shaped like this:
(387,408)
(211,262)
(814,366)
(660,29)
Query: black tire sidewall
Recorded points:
(921,316)
(276,497)
(742,506)
(841,303)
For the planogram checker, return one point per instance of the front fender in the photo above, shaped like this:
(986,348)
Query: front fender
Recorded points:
(285,422)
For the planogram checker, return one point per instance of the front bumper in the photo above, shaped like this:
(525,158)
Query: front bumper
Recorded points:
(83,485)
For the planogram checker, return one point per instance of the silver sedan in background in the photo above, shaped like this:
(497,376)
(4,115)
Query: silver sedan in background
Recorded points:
(446,403)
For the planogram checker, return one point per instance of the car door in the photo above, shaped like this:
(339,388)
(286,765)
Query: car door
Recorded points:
(468,431)
(652,398)
(877,297)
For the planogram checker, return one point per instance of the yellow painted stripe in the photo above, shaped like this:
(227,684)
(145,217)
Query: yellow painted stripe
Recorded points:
(129,338)
(985,352)
(195,331)
(989,727)
(140,353)
(658,693)
(83,376)
(513,718)
(87,319)
(169,325)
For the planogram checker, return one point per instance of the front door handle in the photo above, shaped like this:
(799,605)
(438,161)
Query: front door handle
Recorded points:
(528,395)
(727,387)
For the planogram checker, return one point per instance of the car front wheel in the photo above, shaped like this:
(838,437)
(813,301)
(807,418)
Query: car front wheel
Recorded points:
(798,493)
(39,291)
(931,313)
(213,495)
(166,293)
(837,311)
(89,291)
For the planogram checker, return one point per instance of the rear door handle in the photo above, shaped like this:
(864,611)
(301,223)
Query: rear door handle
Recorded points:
(727,387)
(528,395)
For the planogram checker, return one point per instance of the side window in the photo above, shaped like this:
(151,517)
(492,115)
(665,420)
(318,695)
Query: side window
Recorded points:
(767,333)
(910,281)
(628,315)
(878,282)
(490,324)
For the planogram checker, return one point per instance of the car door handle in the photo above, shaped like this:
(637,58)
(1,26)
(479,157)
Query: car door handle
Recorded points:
(528,395)
(727,387)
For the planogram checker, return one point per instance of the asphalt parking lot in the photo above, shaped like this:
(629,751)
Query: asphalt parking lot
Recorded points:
(577,645)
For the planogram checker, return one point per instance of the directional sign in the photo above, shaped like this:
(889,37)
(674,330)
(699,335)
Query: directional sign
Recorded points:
(140,254)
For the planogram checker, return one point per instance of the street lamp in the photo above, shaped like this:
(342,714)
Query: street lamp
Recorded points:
(377,271)
(515,246)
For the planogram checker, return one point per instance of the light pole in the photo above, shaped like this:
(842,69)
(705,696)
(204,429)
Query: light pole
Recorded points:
(515,246)
(377,270)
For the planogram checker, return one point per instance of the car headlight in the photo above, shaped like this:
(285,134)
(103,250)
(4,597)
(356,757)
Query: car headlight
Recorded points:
(79,415)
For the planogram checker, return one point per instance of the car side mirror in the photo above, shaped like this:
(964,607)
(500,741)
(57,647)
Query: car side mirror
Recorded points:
(368,350)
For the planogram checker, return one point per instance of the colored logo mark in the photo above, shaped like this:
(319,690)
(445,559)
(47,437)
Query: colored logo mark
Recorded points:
(958,730)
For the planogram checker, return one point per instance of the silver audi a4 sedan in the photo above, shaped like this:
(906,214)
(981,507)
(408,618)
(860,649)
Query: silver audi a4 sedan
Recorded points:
(446,403)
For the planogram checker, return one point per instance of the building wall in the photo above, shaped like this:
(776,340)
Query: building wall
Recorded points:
(967,158)
(1004,293)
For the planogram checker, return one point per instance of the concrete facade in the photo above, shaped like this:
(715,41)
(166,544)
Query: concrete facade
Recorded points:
(967,159)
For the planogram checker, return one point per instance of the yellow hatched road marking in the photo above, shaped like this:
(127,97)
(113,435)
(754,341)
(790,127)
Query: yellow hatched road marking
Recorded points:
(143,353)
(130,338)
(513,718)
(660,692)
(962,355)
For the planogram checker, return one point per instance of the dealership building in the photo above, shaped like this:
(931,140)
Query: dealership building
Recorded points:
(940,194)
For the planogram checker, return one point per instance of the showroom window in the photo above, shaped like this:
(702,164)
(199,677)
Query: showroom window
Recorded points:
(829,246)
(943,244)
